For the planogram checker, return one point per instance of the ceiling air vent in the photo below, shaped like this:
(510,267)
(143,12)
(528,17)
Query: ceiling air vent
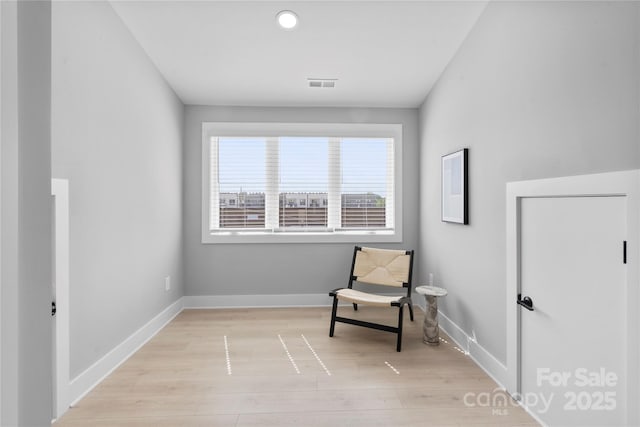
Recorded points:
(328,83)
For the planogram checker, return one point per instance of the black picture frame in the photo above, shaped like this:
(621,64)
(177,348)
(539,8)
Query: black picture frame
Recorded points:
(455,187)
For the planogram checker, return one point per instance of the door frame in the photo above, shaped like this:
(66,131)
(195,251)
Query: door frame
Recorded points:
(1,234)
(624,183)
(61,378)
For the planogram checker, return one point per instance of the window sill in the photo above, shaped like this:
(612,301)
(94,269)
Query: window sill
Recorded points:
(359,236)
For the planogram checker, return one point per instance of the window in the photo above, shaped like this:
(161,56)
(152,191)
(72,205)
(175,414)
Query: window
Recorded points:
(273,182)
(367,177)
(241,184)
(303,178)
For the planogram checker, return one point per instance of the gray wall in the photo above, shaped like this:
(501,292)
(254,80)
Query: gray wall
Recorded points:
(9,217)
(539,89)
(117,137)
(26,221)
(241,269)
(34,202)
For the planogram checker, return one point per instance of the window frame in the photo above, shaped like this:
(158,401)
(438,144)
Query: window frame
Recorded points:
(346,130)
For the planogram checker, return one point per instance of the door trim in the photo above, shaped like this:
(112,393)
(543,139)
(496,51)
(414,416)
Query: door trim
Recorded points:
(624,183)
(60,192)
(1,234)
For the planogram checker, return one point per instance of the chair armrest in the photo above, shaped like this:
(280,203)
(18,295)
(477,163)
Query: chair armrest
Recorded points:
(402,301)
(333,293)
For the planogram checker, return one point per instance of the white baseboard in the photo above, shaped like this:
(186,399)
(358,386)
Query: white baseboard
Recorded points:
(251,301)
(92,376)
(260,301)
(485,360)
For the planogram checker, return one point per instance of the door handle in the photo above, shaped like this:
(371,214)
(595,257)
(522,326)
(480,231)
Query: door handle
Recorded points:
(54,309)
(526,302)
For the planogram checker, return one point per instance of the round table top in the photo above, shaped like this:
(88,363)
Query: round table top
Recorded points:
(431,291)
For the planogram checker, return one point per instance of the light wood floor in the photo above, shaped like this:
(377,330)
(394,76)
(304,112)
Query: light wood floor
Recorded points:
(183,377)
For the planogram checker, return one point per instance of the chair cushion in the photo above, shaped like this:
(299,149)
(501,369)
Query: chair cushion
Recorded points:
(365,298)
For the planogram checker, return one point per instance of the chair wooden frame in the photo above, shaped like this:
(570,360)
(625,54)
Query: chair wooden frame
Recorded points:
(367,298)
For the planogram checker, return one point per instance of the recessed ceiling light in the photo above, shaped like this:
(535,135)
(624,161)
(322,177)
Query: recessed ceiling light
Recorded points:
(287,19)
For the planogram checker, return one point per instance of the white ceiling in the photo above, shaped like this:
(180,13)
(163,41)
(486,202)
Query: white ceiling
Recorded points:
(383,53)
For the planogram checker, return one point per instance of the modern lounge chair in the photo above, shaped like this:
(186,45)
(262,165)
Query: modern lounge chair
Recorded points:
(373,266)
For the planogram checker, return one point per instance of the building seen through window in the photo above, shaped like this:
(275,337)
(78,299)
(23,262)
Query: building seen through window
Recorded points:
(246,210)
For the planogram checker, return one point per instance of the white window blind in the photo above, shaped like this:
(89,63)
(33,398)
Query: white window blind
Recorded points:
(239,180)
(303,184)
(367,183)
(249,172)
(279,184)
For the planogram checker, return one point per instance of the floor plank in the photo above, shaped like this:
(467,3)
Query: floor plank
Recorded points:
(282,369)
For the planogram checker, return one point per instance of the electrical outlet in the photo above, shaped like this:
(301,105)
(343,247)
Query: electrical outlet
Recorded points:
(167,283)
(430,279)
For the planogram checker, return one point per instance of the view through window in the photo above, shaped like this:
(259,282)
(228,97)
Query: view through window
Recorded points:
(300,184)
(299,167)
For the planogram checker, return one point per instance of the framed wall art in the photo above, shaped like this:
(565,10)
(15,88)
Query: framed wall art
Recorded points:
(455,183)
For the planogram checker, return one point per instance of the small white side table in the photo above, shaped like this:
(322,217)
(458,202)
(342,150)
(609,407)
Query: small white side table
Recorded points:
(430,326)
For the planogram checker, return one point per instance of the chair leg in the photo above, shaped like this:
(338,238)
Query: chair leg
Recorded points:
(399,344)
(355,306)
(411,311)
(333,316)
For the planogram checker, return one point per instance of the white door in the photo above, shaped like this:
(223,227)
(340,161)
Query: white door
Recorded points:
(573,349)
(60,281)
